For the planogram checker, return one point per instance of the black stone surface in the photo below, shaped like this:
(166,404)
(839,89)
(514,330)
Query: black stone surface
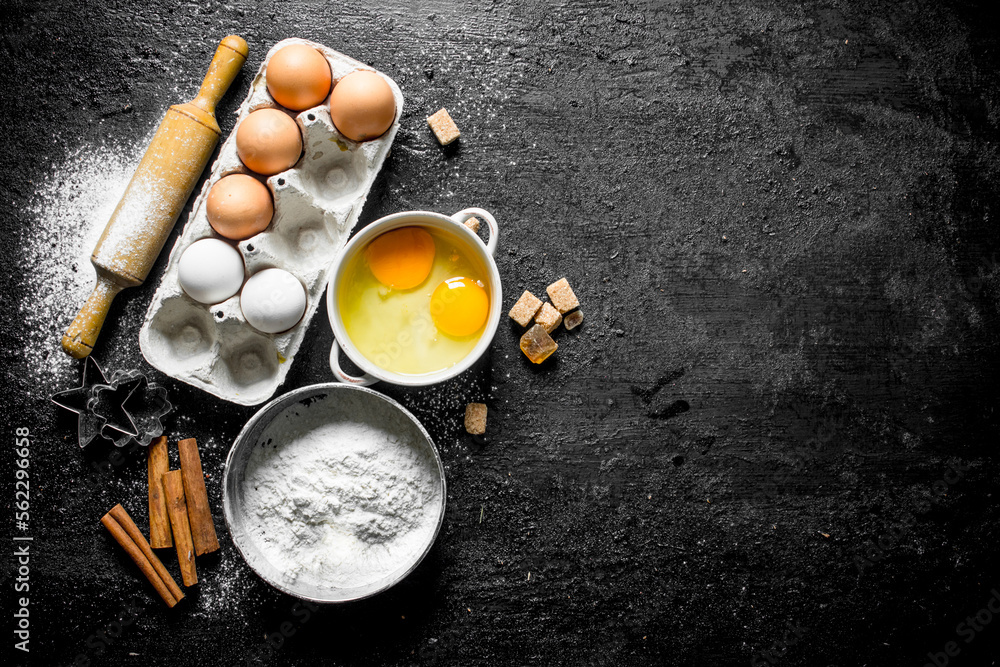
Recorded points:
(772,441)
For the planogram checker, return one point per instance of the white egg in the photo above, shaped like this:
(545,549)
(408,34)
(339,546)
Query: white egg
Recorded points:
(210,271)
(273,300)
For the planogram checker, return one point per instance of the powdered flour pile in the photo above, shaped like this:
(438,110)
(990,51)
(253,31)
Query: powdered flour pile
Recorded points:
(337,502)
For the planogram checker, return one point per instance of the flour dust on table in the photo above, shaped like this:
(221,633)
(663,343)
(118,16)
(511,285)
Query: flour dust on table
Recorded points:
(68,210)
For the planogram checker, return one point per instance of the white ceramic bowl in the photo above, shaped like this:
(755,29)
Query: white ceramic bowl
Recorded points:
(452,224)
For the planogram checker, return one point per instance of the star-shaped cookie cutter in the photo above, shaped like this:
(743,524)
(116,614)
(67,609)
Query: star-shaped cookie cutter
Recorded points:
(127,407)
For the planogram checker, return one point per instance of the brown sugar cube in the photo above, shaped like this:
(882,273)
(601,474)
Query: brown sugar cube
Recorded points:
(475,418)
(473,224)
(444,127)
(537,344)
(548,317)
(525,308)
(562,296)
(573,320)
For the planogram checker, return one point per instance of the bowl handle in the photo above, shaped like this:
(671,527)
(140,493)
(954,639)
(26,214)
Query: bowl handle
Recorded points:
(363,381)
(491,222)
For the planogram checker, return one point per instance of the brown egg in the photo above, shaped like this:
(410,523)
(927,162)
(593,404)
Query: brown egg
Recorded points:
(268,141)
(362,106)
(239,206)
(298,77)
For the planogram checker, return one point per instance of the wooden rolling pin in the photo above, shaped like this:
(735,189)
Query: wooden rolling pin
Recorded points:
(157,193)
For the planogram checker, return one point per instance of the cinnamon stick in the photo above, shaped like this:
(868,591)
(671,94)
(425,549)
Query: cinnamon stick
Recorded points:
(125,521)
(199,514)
(159,521)
(173,488)
(127,534)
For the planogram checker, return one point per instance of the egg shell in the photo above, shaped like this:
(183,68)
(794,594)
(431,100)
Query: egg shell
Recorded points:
(239,206)
(362,106)
(210,271)
(273,301)
(298,77)
(317,204)
(268,141)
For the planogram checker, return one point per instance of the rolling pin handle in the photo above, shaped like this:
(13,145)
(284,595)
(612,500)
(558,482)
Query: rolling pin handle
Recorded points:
(81,336)
(226,64)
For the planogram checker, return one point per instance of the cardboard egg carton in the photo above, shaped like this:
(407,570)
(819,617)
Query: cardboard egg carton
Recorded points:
(316,205)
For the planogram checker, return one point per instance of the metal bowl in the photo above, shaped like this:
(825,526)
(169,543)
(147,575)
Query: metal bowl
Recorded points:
(384,411)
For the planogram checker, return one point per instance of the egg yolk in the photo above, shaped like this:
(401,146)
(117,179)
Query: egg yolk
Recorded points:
(459,306)
(401,258)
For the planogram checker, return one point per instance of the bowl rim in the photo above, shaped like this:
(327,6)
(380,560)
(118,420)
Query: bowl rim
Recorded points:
(265,415)
(413,219)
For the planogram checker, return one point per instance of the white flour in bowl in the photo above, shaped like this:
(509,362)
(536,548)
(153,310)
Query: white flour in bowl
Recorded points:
(340,503)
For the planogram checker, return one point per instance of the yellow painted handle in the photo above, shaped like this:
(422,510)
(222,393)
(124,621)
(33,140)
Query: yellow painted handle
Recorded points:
(226,64)
(81,336)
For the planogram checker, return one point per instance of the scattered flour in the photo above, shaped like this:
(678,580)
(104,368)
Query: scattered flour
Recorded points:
(343,502)
(70,207)
(227,588)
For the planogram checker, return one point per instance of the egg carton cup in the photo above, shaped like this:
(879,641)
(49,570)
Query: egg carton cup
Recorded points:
(316,206)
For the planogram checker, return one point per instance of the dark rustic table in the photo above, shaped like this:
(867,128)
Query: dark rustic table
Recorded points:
(774,438)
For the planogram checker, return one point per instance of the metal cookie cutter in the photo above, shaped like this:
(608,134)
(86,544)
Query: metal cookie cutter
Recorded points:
(126,407)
